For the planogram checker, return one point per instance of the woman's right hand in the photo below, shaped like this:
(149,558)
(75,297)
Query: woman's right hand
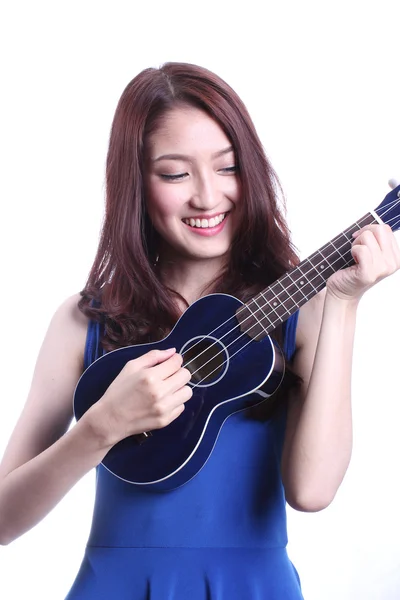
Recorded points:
(149,393)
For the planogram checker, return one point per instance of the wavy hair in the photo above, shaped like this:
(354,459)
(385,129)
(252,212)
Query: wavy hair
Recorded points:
(123,290)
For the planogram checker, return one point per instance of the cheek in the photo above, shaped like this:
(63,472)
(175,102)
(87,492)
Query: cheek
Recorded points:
(238,190)
(162,202)
(235,191)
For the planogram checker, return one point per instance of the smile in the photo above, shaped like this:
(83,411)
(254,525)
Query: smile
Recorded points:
(205,223)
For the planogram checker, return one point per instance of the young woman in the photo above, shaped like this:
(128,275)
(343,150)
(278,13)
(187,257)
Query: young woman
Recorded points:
(192,209)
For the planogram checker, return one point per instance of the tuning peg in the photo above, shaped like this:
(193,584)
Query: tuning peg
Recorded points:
(393,183)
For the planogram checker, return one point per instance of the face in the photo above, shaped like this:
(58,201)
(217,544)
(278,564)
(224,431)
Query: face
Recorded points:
(192,186)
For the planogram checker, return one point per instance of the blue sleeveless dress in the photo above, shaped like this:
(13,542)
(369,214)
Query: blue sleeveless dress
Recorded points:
(221,536)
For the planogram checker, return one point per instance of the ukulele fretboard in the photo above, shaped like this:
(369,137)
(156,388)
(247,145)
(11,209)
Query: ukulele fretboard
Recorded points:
(261,315)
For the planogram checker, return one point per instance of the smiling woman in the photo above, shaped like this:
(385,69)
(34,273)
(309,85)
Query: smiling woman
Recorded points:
(182,146)
(192,208)
(193,194)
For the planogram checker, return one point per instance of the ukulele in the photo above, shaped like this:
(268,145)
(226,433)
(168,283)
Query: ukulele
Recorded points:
(226,345)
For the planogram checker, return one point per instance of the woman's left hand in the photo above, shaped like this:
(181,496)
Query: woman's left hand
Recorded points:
(376,254)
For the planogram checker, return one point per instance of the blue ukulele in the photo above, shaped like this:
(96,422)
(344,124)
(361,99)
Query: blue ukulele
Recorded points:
(227,348)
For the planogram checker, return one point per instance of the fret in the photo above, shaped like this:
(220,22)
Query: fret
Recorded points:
(261,315)
(298,284)
(298,288)
(263,305)
(278,296)
(258,312)
(304,282)
(274,305)
(338,249)
(313,271)
(324,267)
(340,259)
(367,219)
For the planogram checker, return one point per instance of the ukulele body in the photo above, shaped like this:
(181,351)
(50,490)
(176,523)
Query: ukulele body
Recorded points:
(227,365)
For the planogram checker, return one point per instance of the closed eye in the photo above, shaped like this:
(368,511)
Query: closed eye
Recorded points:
(173,177)
(232,169)
(179,176)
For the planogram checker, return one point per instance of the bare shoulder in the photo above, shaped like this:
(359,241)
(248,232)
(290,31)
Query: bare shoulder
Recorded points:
(48,409)
(69,313)
(60,360)
(71,323)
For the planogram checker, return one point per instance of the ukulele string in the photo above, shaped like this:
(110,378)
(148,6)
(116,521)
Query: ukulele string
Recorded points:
(276,296)
(249,342)
(393,225)
(274,324)
(390,206)
(231,356)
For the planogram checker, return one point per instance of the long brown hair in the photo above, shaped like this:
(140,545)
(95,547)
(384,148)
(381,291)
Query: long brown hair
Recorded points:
(123,290)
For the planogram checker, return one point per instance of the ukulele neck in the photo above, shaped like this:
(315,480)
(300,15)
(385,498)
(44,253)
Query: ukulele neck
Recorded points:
(271,307)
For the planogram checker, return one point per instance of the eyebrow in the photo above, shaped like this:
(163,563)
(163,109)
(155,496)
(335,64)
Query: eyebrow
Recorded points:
(187,158)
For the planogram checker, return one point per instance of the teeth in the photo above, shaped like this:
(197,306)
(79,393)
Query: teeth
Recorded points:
(205,223)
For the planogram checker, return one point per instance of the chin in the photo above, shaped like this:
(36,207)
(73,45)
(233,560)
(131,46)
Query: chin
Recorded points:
(217,255)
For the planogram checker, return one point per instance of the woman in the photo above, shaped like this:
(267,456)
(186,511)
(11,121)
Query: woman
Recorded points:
(191,209)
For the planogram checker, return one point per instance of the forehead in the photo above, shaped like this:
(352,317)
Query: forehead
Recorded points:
(188,129)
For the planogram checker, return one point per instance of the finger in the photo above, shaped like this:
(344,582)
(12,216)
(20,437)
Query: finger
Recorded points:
(383,235)
(362,256)
(390,251)
(168,418)
(180,397)
(167,368)
(384,248)
(365,264)
(381,232)
(152,358)
(176,412)
(395,249)
(369,227)
(177,381)
(368,238)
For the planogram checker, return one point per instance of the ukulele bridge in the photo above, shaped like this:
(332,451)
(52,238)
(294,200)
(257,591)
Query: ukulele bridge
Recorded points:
(140,438)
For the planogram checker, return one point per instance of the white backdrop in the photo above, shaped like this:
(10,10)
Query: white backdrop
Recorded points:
(321,81)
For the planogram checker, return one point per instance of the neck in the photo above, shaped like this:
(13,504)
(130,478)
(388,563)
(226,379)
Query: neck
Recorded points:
(189,278)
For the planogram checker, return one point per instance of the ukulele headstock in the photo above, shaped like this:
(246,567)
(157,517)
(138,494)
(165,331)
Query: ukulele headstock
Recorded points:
(389,209)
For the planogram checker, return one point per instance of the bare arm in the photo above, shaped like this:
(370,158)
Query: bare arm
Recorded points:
(43,460)
(40,463)
(318,439)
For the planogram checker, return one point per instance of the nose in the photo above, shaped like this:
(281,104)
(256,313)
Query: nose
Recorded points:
(205,194)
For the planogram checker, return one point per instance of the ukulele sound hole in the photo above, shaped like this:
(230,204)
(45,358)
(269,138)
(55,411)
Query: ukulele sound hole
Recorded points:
(206,359)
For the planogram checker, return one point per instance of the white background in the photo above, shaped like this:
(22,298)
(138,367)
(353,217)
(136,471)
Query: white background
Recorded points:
(321,81)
